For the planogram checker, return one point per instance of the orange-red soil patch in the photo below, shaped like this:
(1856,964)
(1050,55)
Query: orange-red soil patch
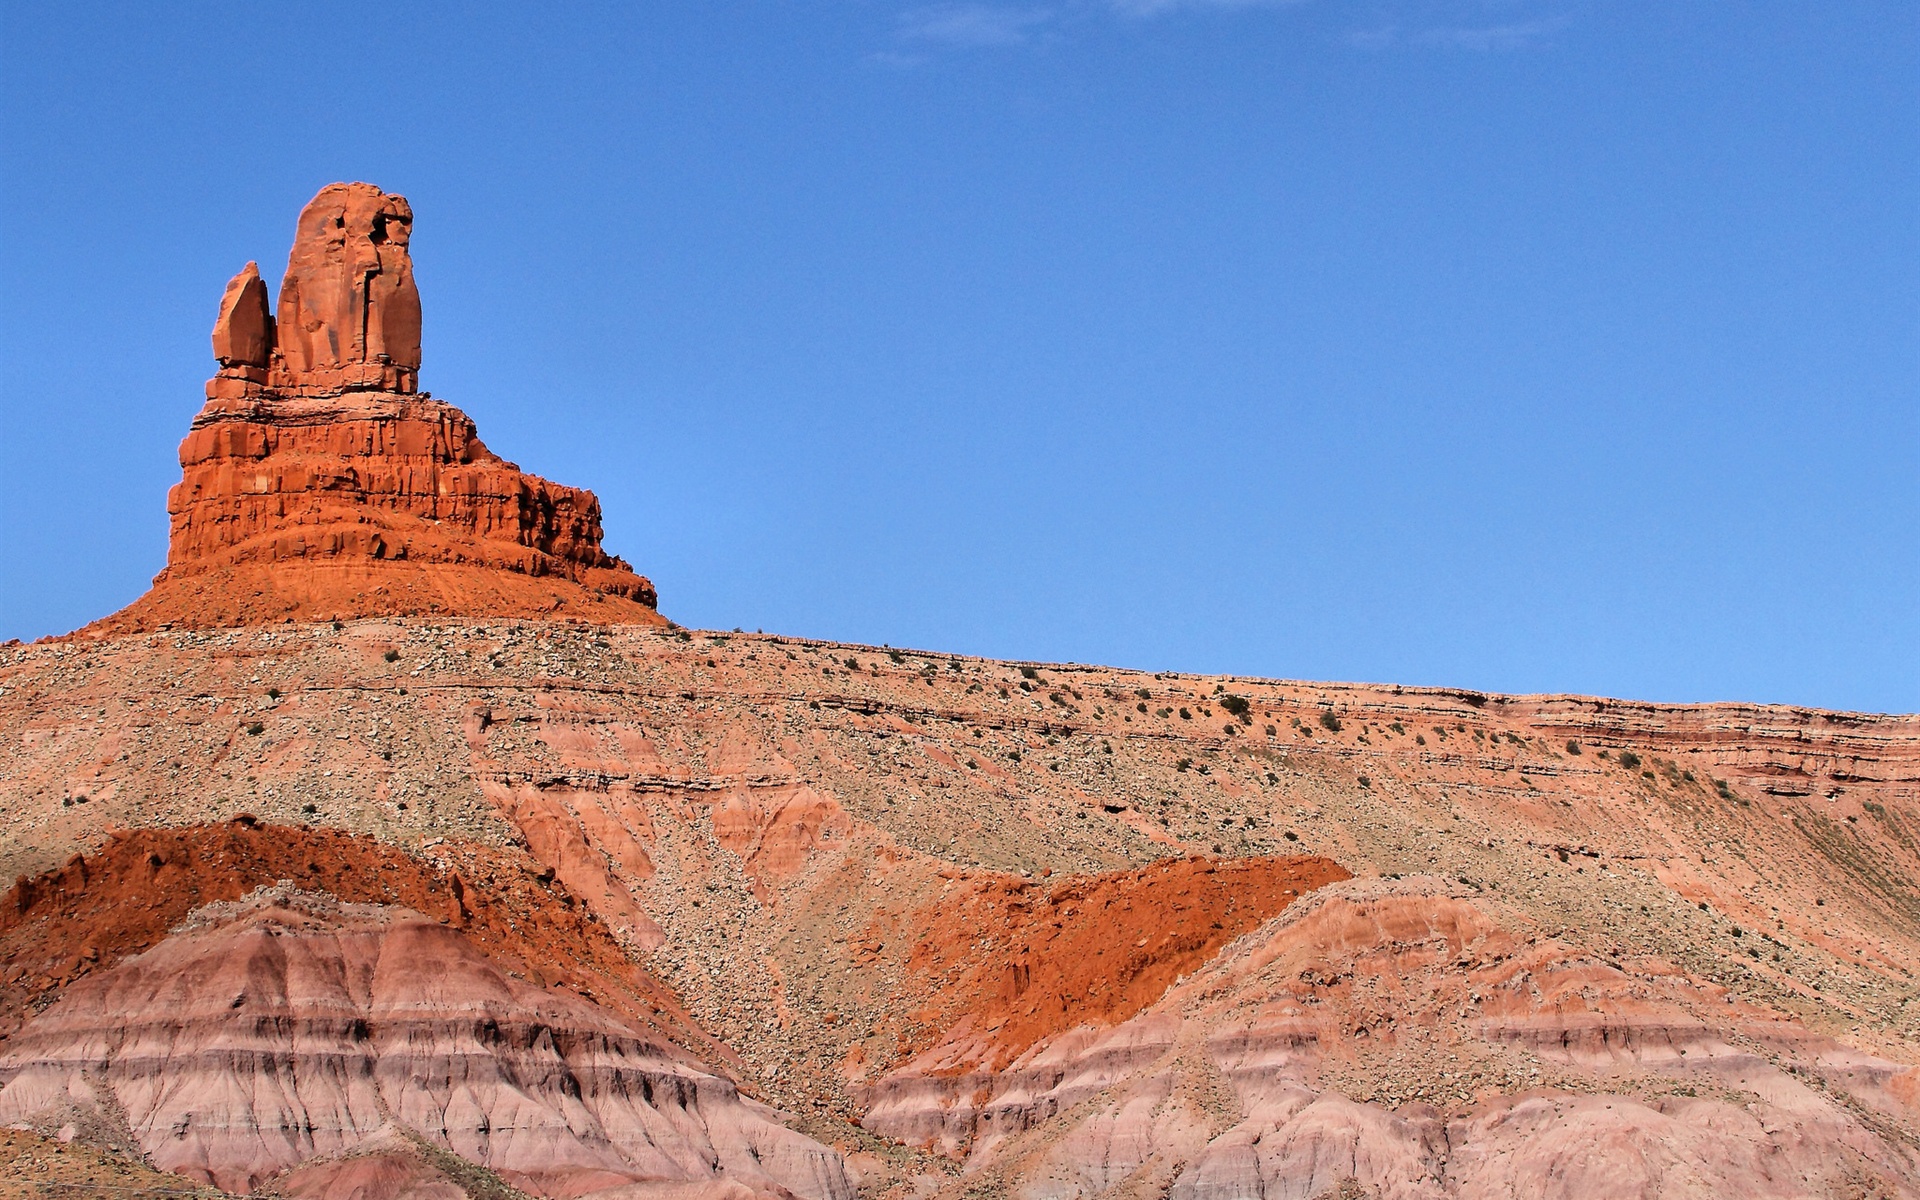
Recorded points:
(1025,961)
(122,899)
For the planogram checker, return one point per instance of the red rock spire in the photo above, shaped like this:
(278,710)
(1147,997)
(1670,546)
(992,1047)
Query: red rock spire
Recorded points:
(349,311)
(319,482)
(243,333)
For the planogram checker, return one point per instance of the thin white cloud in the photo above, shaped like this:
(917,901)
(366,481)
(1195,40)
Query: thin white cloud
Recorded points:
(922,33)
(1375,39)
(1441,29)
(971,26)
(1488,38)
(1155,8)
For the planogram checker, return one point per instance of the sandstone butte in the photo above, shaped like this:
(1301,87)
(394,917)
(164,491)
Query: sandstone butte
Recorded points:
(318,480)
(393,846)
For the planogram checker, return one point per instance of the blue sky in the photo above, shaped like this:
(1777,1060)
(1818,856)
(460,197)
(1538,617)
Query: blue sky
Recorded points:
(1507,344)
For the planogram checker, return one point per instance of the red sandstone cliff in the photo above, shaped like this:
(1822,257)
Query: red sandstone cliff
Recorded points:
(318,482)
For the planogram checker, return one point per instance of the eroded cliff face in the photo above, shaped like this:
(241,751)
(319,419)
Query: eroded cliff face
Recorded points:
(289,1027)
(904,895)
(318,482)
(1411,1039)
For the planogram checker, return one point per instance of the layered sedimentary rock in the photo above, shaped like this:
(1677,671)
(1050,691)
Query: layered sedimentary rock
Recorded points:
(909,891)
(291,1027)
(1415,1041)
(319,482)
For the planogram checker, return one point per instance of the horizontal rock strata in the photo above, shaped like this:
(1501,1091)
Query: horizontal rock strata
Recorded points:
(290,1026)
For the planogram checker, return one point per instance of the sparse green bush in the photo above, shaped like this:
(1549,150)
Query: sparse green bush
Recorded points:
(256,729)
(1330,722)
(896,656)
(273,693)
(1029,673)
(1629,759)
(1291,836)
(1183,764)
(1185,715)
(391,656)
(1573,747)
(1237,706)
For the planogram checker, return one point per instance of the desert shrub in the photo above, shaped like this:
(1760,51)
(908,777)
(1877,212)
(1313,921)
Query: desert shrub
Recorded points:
(273,693)
(1291,836)
(1629,759)
(1573,747)
(1330,722)
(1029,673)
(256,729)
(1236,705)
(896,656)
(391,656)
(1183,764)
(1185,715)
